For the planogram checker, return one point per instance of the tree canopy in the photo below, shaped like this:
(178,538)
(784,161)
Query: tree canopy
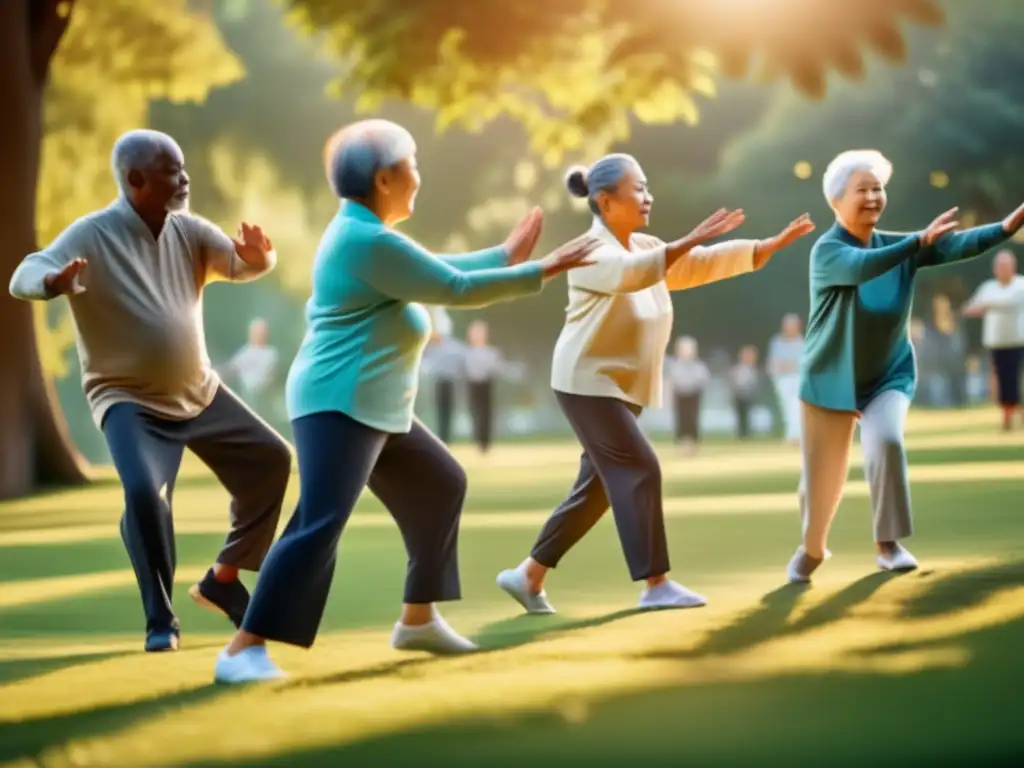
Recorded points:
(574,72)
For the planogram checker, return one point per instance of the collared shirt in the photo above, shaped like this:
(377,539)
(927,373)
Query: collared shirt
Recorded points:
(482,363)
(784,355)
(366,323)
(139,322)
(619,317)
(1003,324)
(255,366)
(687,377)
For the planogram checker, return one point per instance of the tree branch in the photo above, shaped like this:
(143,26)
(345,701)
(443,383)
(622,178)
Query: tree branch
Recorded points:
(48,21)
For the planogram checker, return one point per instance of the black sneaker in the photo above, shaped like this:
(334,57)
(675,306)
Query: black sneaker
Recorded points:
(160,640)
(229,598)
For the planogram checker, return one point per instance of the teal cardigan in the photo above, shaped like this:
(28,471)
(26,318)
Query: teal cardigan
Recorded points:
(366,329)
(857,343)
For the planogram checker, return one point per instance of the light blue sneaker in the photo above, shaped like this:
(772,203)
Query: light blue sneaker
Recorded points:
(249,666)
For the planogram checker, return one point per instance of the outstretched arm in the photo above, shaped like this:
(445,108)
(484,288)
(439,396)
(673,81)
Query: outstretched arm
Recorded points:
(31,279)
(709,264)
(222,258)
(403,270)
(488,258)
(834,263)
(961,245)
(616,270)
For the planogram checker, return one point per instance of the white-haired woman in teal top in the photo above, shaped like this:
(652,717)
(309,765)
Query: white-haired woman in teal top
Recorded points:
(350,396)
(858,363)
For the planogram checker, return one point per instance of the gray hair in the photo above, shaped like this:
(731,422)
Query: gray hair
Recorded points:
(138,150)
(845,164)
(355,154)
(603,176)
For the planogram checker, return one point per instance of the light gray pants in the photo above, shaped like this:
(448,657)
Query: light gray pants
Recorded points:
(826,453)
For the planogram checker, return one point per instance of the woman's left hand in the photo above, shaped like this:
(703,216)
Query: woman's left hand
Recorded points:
(1013,222)
(767,248)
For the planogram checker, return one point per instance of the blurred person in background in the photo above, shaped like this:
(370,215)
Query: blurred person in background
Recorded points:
(445,355)
(482,365)
(607,367)
(858,360)
(744,386)
(255,368)
(785,351)
(688,376)
(1000,301)
(950,350)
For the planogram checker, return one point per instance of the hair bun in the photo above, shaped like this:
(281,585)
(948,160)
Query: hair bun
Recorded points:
(576,181)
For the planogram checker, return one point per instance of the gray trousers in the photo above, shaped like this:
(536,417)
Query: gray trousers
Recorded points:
(826,452)
(618,466)
(251,460)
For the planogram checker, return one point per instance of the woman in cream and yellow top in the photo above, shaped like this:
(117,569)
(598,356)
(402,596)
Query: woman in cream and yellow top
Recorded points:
(608,367)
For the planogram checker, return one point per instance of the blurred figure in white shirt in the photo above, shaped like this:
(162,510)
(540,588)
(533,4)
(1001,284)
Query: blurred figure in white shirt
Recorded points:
(785,351)
(1000,301)
(254,366)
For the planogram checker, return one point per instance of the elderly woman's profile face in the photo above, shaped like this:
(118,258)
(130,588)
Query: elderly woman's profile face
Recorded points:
(628,206)
(397,187)
(863,200)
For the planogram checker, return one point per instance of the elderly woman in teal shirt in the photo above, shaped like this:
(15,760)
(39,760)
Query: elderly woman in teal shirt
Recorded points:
(858,362)
(350,395)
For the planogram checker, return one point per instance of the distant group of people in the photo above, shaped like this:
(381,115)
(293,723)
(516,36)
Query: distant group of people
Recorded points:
(475,363)
(351,388)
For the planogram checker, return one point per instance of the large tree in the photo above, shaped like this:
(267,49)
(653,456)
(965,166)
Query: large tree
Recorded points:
(573,72)
(73,75)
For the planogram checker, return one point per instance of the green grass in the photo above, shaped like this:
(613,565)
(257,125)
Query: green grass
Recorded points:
(920,669)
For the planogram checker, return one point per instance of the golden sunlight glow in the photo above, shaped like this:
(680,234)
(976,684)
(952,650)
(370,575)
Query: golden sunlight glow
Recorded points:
(939,179)
(803,170)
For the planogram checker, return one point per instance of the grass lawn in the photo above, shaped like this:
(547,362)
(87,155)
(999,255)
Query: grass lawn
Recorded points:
(861,668)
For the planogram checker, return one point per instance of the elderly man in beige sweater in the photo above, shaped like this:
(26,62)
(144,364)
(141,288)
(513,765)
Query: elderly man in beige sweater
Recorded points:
(134,274)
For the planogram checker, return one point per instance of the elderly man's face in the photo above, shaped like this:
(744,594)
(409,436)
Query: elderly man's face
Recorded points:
(686,349)
(397,187)
(477,334)
(863,200)
(628,208)
(791,326)
(163,186)
(1005,267)
(259,333)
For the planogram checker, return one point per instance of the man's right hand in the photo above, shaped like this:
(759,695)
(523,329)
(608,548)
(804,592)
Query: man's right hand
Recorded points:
(65,282)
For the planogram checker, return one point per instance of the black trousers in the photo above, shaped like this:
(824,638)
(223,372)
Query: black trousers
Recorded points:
(742,408)
(251,460)
(444,399)
(618,467)
(481,410)
(415,477)
(1006,363)
(687,416)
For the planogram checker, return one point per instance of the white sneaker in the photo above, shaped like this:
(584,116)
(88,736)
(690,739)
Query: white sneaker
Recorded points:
(802,565)
(248,666)
(899,559)
(513,582)
(436,637)
(669,594)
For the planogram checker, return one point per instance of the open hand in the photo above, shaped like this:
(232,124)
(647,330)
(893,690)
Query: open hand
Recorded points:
(720,222)
(251,245)
(799,227)
(570,256)
(66,282)
(523,238)
(941,225)
(1013,222)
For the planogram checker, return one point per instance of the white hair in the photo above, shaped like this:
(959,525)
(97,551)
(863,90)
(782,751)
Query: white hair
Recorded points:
(356,153)
(845,164)
(138,150)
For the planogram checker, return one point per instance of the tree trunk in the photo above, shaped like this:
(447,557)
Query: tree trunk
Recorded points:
(35,448)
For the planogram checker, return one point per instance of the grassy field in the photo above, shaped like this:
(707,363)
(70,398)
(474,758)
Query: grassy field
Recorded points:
(861,668)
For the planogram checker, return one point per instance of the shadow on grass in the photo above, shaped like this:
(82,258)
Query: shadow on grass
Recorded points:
(943,715)
(497,636)
(29,738)
(12,670)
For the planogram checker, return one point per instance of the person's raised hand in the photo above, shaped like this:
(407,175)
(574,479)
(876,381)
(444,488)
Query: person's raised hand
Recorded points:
(65,282)
(573,254)
(251,244)
(941,225)
(523,238)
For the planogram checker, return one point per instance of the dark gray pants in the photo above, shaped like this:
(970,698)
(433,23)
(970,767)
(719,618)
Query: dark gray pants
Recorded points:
(416,478)
(618,464)
(481,410)
(444,397)
(251,460)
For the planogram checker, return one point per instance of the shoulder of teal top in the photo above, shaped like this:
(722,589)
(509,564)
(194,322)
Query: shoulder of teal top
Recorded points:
(838,259)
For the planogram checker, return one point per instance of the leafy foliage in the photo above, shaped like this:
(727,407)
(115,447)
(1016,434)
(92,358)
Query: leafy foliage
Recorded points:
(573,72)
(117,57)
